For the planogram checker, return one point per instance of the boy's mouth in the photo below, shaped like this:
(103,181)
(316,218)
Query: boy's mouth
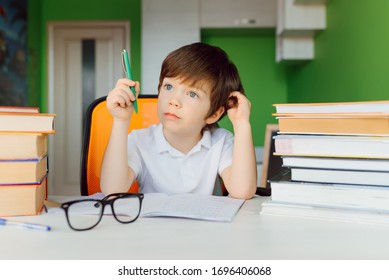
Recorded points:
(171,116)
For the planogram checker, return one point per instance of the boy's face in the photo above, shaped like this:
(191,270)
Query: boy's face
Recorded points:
(183,107)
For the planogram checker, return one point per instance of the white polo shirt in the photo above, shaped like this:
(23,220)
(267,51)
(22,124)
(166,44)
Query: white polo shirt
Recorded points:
(161,168)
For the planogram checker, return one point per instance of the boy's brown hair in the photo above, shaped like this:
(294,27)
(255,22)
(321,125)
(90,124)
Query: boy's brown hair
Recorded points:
(199,62)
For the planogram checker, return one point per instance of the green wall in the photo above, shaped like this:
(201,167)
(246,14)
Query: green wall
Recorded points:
(264,81)
(352,56)
(45,11)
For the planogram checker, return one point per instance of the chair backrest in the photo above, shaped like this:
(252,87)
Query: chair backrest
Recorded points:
(98,123)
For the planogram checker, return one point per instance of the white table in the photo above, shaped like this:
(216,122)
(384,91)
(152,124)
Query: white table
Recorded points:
(249,236)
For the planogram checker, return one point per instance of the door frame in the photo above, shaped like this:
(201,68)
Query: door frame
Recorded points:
(52,28)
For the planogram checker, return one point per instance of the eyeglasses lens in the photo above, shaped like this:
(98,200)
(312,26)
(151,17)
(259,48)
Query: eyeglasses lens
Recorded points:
(84,214)
(127,208)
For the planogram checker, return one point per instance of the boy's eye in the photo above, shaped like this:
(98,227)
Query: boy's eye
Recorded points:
(168,87)
(193,94)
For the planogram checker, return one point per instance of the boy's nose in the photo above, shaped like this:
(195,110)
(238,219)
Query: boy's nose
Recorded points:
(174,102)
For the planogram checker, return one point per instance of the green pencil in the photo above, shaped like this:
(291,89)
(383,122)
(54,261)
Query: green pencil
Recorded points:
(127,69)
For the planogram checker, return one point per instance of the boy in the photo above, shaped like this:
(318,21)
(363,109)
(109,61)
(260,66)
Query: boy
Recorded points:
(184,153)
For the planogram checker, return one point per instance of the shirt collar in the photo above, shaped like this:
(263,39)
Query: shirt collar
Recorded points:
(163,145)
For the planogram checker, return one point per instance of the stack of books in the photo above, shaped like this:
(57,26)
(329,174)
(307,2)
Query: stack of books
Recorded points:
(337,156)
(23,159)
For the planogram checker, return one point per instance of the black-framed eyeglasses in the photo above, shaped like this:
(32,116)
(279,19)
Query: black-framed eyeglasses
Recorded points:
(85,214)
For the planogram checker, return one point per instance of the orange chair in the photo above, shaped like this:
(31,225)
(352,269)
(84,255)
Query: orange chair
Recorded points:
(98,123)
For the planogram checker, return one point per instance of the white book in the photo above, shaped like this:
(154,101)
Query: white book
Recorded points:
(193,206)
(337,163)
(324,213)
(334,107)
(341,196)
(332,146)
(340,176)
(27,122)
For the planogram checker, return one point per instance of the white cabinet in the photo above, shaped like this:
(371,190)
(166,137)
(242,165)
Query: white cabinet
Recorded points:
(166,25)
(311,1)
(294,48)
(300,19)
(169,24)
(238,13)
(297,23)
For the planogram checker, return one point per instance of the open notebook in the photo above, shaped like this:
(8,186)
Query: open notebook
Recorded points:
(193,206)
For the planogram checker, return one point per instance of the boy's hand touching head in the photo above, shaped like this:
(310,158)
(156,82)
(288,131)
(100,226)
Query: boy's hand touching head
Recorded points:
(238,108)
(120,99)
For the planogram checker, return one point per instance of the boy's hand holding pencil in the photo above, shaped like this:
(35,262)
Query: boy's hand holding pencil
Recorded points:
(120,99)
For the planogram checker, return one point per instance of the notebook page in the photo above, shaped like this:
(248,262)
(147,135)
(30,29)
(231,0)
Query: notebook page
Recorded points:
(204,207)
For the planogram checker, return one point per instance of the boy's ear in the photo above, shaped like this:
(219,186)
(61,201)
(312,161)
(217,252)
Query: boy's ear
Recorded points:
(216,116)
